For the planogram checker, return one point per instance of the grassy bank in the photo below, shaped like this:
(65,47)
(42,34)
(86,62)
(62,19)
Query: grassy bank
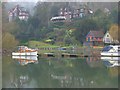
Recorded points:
(48,48)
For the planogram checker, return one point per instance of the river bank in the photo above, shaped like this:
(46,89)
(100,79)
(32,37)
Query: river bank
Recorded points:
(76,52)
(59,49)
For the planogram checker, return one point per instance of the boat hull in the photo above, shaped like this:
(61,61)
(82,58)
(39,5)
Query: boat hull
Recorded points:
(110,54)
(25,57)
(24,53)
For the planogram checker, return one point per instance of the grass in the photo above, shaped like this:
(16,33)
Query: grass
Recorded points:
(48,48)
(37,44)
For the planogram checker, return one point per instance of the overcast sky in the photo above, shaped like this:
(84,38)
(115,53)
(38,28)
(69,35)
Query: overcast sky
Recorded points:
(22,0)
(62,0)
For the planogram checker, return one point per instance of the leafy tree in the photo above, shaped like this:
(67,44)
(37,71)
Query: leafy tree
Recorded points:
(84,27)
(114,15)
(8,41)
(114,32)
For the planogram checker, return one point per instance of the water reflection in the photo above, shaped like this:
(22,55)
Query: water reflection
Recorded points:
(94,62)
(19,82)
(56,72)
(111,61)
(24,60)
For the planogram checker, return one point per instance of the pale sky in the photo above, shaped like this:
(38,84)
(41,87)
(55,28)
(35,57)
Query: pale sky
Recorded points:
(22,0)
(62,0)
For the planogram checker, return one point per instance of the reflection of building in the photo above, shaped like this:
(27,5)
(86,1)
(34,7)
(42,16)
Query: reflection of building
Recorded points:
(94,61)
(18,12)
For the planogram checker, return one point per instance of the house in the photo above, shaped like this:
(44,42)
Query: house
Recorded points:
(69,14)
(81,12)
(66,13)
(18,12)
(108,39)
(95,38)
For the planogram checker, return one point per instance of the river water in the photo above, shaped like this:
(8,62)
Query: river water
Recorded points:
(59,72)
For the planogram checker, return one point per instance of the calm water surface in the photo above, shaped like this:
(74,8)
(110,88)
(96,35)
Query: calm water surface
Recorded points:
(58,72)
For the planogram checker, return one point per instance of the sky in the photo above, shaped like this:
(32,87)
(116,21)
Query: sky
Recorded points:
(62,0)
(22,0)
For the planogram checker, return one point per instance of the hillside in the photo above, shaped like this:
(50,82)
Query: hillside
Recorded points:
(73,31)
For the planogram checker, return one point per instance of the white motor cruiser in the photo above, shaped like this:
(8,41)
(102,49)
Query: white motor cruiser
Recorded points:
(111,51)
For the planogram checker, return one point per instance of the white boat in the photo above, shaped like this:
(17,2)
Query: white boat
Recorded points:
(111,51)
(111,61)
(25,51)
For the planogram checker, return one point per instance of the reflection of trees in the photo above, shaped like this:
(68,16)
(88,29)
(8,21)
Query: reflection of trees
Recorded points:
(54,73)
(80,75)
(113,71)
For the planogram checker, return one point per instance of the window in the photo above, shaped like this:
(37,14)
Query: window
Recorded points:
(107,40)
(107,48)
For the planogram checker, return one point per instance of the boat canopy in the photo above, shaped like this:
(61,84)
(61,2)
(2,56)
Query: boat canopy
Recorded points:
(107,48)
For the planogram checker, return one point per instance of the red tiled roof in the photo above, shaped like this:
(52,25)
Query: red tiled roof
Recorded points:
(95,34)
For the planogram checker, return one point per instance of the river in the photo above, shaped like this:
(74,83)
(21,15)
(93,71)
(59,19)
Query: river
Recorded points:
(58,72)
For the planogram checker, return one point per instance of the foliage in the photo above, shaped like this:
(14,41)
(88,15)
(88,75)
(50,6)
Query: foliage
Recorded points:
(84,27)
(40,28)
(114,32)
(9,41)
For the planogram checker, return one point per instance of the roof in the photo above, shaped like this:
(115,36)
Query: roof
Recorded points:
(19,9)
(95,34)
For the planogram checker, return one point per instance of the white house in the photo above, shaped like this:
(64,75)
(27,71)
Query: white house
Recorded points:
(19,12)
(107,38)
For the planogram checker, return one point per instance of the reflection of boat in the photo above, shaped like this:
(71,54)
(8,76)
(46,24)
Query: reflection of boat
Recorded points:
(110,58)
(111,50)
(24,50)
(25,57)
(24,60)
(111,61)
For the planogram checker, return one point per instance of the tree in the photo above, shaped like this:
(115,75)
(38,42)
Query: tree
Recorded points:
(114,32)
(84,27)
(114,15)
(9,41)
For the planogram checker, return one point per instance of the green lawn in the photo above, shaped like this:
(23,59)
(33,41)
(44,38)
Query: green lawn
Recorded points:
(37,44)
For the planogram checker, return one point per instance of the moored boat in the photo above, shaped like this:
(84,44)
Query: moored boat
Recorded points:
(111,51)
(25,51)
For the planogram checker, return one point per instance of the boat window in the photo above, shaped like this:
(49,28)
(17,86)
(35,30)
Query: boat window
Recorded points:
(107,48)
